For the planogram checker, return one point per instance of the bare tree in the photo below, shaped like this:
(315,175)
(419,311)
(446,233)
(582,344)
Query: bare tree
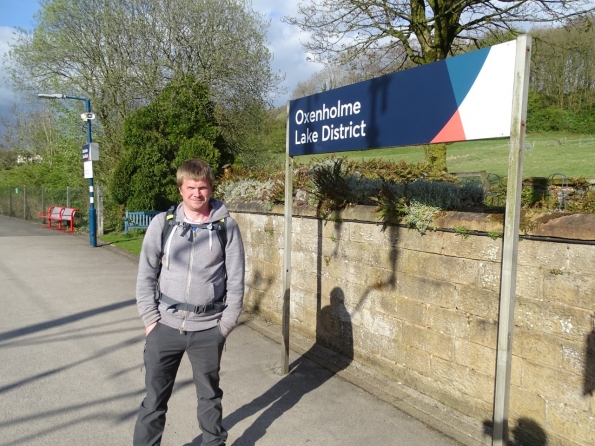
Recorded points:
(427,31)
(329,77)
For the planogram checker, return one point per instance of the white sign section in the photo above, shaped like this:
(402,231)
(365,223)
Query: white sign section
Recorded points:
(88,169)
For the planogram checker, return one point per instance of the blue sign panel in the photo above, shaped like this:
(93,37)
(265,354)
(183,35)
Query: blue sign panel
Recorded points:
(438,102)
(86,153)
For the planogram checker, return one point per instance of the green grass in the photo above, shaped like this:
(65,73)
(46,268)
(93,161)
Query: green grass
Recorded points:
(567,154)
(131,242)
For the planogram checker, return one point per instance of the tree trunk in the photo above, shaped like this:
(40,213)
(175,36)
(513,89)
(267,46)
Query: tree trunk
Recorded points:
(435,156)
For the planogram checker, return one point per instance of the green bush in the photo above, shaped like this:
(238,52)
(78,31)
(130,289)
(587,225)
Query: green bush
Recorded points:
(179,124)
(545,116)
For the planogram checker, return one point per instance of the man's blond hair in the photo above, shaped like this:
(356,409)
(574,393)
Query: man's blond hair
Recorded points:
(195,169)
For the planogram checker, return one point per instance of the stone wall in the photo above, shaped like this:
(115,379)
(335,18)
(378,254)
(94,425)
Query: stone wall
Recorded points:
(423,310)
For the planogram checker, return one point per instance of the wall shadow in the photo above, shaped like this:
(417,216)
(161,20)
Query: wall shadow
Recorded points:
(389,284)
(526,432)
(333,330)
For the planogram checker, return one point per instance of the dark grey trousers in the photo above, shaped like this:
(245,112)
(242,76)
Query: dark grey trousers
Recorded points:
(164,349)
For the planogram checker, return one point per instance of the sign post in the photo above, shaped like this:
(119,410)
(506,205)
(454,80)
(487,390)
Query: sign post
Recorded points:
(511,241)
(477,95)
(92,152)
(287,254)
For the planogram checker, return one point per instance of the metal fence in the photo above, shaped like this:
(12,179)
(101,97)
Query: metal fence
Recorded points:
(27,202)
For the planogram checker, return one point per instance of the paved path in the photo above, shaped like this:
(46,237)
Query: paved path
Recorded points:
(71,346)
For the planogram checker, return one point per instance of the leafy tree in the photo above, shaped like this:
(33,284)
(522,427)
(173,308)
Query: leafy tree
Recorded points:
(50,138)
(276,130)
(562,95)
(179,124)
(342,31)
(122,53)
(8,158)
(267,142)
(563,65)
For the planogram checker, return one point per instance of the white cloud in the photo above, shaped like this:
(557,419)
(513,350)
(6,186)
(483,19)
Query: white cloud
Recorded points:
(7,96)
(284,42)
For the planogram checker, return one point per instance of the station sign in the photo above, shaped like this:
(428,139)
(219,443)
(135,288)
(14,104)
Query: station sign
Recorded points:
(461,98)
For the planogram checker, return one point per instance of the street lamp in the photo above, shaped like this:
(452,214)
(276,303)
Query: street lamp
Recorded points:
(88,116)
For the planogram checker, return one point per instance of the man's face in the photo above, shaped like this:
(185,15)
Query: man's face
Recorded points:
(196,195)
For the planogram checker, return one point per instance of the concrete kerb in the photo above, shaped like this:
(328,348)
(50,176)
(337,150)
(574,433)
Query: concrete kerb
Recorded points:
(461,428)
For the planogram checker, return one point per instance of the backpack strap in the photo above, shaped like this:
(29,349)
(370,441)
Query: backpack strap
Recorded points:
(168,226)
(222,235)
(219,226)
(218,305)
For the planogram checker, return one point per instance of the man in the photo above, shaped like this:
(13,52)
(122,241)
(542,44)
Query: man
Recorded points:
(200,281)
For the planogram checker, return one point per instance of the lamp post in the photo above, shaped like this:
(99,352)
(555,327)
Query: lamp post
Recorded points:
(88,116)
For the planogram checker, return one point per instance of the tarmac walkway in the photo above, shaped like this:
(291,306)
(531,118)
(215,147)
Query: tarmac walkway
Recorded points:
(71,345)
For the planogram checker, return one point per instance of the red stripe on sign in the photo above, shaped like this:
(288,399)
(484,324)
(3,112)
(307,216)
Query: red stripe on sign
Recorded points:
(452,131)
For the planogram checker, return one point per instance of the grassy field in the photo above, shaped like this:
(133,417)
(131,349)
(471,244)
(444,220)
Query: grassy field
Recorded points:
(547,154)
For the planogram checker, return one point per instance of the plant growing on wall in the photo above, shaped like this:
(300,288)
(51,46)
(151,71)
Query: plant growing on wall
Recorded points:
(332,183)
(390,203)
(421,216)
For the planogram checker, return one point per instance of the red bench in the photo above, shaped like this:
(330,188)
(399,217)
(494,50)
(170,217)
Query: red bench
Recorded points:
(59,214)
(54,213)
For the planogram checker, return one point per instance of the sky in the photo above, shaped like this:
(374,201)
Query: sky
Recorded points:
(283,42)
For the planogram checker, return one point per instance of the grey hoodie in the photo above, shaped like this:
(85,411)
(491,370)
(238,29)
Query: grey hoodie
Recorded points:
(192,271)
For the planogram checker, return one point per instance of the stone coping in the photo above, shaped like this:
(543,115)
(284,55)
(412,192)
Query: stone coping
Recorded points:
(552,224)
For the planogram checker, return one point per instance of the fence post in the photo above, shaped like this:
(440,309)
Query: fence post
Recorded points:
(24,202)
(67,196)
(10,201)
(42,198)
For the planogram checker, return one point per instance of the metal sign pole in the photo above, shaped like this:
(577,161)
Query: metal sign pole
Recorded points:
(287,252)
(92,212)
(511,238)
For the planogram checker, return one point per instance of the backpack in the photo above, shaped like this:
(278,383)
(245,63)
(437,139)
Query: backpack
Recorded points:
(221,228)
(170,223)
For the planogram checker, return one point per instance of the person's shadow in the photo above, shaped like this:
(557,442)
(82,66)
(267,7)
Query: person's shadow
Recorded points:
(333,330)
(528,433)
